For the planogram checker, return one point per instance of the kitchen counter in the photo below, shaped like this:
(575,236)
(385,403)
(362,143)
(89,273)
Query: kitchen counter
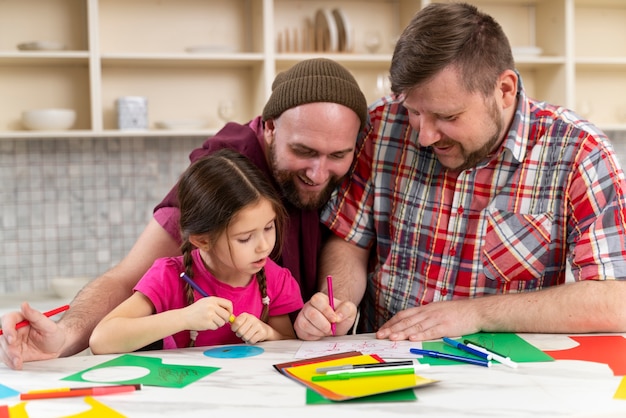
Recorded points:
(250,386)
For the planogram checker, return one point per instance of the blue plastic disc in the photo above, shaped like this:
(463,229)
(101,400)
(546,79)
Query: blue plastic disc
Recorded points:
(234,351)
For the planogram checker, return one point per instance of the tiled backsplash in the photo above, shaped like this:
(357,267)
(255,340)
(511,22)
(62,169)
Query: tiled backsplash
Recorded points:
(74,207)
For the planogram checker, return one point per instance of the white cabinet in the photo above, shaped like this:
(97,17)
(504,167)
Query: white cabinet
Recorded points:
(189,57)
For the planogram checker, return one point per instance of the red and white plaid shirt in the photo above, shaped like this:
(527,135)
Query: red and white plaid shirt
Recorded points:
(552,194)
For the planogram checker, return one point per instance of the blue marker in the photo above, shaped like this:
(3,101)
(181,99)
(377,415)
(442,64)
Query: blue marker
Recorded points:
(437,354)
(193,284)
(463,347)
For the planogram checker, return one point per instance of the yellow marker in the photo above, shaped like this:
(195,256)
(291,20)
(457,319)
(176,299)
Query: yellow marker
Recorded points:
(231,319)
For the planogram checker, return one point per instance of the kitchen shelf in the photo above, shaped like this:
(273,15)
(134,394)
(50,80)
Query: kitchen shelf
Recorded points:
(186,56)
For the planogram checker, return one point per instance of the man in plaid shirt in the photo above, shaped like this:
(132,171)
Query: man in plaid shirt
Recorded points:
(468,199)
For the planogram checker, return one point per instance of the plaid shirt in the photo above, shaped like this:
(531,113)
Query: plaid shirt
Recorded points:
(553,193)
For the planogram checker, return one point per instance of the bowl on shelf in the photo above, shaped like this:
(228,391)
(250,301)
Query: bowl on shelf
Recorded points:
(48,119)
(41,46)
(68,287)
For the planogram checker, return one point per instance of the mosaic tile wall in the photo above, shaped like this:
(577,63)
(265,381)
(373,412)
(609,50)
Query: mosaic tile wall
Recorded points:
(74,207)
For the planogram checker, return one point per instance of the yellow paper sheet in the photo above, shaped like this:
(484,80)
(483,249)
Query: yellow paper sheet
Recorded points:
(339,390)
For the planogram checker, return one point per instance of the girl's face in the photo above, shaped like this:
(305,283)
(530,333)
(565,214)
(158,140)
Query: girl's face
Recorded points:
(246,245)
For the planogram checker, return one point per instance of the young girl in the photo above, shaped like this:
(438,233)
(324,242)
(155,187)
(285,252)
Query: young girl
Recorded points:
(231,220)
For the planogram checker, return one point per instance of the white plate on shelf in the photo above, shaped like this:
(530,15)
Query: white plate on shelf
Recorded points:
(326,35)
(344,30)
(41,46)
(180,125)
(209,49)
(526,51)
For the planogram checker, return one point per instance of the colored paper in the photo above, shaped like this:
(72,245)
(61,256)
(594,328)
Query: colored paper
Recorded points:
(406,395)
(606,349)
(620,393)
(98,410)
(505,344)
(158,374)
(341,390)
(7,392)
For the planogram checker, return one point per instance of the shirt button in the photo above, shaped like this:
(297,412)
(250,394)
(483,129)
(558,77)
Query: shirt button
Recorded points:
(453,252)
(460,211)
(444,291)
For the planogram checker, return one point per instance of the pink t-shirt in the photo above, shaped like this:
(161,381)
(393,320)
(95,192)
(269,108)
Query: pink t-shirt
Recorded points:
(165,289)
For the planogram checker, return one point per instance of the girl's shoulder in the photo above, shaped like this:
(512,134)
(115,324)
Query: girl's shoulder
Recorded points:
(274,270)
(168,264)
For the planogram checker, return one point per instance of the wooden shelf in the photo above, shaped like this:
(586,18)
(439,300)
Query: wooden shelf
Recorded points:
(116,48)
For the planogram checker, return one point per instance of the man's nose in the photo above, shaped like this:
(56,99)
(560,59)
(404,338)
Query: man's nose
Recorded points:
(317,171)
(428,132)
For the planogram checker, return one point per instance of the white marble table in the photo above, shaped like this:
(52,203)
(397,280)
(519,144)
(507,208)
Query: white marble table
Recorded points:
(252,387)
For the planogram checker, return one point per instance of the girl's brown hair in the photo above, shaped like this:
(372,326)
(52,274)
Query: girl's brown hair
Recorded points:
(211,192)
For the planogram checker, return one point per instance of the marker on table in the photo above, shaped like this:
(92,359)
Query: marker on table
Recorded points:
(470,350)
(365,366)
(73,392)
(331,300)
(48,314)
(369,373)
(495,356)
(417,366)
(437,354)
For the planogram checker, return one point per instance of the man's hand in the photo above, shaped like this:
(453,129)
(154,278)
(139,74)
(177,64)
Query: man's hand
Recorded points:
(432,321)
(42,339)
(315,318)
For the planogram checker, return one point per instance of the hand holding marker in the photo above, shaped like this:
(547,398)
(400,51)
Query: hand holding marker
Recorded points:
(200,290)
(331,301)
(47,314)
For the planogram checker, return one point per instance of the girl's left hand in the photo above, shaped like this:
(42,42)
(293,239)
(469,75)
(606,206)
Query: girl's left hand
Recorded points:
(250,328)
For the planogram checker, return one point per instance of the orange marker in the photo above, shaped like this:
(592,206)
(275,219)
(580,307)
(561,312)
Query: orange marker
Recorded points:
(48,314)
(72,392)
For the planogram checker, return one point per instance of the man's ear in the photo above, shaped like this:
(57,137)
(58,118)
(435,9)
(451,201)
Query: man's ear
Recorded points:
(268,131)
(507,84)
(200,241)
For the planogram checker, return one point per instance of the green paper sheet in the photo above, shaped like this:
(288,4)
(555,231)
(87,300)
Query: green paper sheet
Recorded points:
(165,375)
(506,344)
(405,395)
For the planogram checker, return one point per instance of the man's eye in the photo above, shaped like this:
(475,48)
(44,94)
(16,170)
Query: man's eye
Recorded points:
(303,152)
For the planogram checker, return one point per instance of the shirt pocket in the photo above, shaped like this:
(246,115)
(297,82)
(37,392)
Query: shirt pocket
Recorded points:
(516,249)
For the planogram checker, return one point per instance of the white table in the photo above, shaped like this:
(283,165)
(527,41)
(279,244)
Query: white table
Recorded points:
(252,387)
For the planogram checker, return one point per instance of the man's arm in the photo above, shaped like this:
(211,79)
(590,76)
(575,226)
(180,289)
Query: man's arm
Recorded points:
(581,307)
(347,263)
(44,339)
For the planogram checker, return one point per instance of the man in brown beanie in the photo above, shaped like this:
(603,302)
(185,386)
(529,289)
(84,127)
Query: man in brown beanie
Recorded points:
(304,142)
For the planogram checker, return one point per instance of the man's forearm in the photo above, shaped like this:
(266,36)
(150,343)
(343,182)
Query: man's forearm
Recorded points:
(588,306)
(347,263)
(89,306)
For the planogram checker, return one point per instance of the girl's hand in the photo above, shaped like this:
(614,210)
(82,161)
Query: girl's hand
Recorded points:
(208,313)
(251,329)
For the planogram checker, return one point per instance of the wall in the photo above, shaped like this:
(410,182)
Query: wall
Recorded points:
(74,207)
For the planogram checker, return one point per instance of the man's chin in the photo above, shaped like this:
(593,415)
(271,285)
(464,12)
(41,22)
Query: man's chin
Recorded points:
(310,202)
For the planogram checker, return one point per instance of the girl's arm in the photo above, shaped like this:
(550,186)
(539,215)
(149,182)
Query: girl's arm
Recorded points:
(133,325)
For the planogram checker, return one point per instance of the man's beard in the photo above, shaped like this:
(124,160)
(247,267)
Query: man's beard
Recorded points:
(472,159)
(287,182)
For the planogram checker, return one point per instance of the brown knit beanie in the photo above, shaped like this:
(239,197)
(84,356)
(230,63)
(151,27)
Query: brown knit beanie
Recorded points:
(315,80)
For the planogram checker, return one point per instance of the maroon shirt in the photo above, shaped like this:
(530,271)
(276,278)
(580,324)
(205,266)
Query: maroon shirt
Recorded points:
(303,232)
